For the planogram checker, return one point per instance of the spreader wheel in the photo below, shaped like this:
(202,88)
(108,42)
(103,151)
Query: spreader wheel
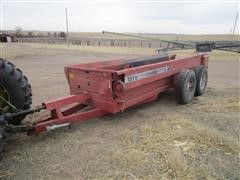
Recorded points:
(185,86)
(202,78)
(15,91)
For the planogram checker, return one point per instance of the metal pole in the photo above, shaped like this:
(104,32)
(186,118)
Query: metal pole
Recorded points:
(66,26)
(234,27)
(230,34)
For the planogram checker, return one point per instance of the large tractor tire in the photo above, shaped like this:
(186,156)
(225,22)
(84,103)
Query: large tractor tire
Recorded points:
(15,91)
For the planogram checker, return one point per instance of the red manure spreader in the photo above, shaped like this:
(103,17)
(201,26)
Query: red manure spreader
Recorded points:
(110,87)
(101,88)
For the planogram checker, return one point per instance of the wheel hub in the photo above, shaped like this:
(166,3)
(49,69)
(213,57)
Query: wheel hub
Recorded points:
(190,86)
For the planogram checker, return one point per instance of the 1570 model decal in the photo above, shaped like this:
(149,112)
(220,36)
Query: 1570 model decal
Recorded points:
(145,74)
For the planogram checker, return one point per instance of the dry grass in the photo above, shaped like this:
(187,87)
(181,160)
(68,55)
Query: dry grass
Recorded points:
(175,147)
(158,141)
(9,51)
(170,37)
(226,105)
(219,101)
(100,49)
(214,55)
(171,148)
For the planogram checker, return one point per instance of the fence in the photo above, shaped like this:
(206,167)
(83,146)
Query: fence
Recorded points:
(97,42)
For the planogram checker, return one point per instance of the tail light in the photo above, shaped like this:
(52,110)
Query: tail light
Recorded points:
(119,87)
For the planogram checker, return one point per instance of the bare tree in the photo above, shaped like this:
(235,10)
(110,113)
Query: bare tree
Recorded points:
(30,34)
(49,34)
(18,31)
(62,34)
(54,34)
(40,34)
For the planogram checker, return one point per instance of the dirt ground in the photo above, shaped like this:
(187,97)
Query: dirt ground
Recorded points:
(158,140)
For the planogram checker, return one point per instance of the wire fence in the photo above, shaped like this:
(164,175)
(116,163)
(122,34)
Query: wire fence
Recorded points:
(97,42)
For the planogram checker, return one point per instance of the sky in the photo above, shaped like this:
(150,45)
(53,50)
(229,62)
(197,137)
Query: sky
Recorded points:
(206,17)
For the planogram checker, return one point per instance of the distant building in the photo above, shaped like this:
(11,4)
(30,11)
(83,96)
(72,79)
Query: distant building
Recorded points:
(6,38)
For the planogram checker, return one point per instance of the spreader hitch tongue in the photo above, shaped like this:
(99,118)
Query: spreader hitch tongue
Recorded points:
(7,117)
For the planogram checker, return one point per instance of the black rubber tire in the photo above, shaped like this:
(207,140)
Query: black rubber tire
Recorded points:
(2,140)
(202,78)
(2,146)
(184,91)
(17,86)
